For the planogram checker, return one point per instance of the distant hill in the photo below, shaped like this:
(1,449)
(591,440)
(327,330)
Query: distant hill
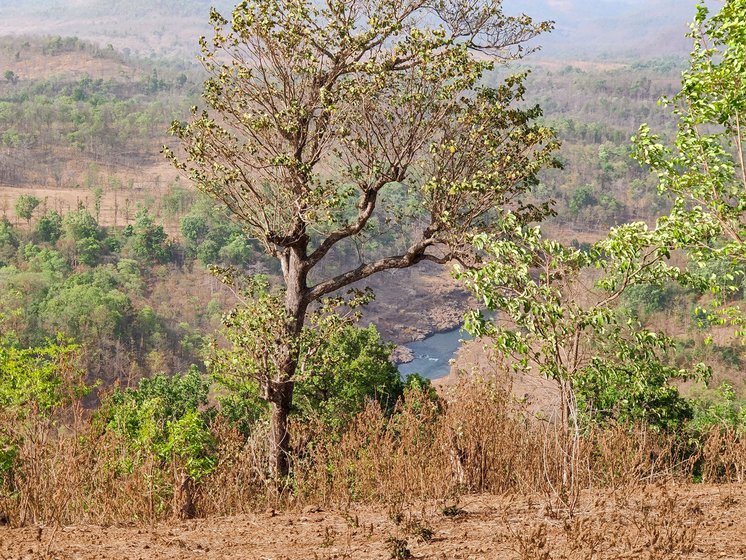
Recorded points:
(611,29)
(586,29)
(163,27)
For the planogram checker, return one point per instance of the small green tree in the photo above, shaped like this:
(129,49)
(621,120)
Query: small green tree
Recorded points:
(39,378)
(194,229)
(49,227)
(34,382)
(88,306)
(704,171)
(8,241)
(341,366)
(25,206)
(351,367)
(148,240)
(168,417)
(553,319)
(79,224)
(81,234)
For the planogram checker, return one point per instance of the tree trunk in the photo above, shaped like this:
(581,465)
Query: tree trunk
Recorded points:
(184,497)
(281,400)
(565,425)
(280,393)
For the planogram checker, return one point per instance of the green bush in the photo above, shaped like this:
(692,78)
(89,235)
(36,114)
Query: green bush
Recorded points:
(49,227)
(350,369)
(166,416)
(719,408)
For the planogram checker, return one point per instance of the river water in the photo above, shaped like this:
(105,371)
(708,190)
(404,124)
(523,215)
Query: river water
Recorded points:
(433,354)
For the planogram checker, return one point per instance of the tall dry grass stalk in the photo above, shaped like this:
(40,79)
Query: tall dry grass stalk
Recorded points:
(723,456)
(475,439)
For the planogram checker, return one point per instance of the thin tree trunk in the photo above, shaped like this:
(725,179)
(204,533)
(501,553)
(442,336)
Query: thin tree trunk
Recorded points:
(566,459)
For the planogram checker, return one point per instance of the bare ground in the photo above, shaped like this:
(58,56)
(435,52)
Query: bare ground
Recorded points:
(691,521)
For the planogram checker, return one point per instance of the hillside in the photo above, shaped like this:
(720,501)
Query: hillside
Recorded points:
(167,28)
(75,117)
(83,127)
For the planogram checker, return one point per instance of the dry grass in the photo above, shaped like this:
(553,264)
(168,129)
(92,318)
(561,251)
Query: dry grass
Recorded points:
(656,524)
(478,440)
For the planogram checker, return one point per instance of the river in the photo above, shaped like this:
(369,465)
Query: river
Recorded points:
(432,355)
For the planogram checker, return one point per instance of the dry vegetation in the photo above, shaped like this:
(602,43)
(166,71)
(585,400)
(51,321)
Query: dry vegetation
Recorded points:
(655,523)
(428,480)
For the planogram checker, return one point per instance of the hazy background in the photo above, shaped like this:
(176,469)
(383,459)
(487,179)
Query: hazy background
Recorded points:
(586,29)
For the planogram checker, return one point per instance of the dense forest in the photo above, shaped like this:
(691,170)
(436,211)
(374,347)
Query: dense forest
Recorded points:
(186,249)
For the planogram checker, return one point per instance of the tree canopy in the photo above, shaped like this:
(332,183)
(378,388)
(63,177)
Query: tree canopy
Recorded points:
(704,171)
(314,112)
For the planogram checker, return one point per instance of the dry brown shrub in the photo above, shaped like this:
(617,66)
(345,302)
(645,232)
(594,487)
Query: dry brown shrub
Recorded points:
(377,458)
(491,443)
(655,524)
(72,470)
(239,483)
(475,439)
(723,456)
(619,456)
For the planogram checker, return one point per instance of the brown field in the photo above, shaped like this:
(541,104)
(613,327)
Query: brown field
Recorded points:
(655,522)
(32,65)
(145,185)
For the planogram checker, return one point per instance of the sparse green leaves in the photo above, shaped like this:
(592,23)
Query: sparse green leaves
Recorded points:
(552,318)
(305,101)
(704,171)
(25,206)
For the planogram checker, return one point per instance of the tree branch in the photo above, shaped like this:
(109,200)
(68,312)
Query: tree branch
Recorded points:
(415,254)
(366,206)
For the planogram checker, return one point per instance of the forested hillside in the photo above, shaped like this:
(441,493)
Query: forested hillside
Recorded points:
(82,127)
(189,247)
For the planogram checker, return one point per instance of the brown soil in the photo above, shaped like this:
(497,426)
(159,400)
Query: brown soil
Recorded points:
(692,521)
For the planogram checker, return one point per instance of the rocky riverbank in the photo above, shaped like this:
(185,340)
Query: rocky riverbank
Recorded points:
(415,303)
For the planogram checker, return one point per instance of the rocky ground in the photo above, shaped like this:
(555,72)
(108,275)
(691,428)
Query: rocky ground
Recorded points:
(655,523)
(414,303)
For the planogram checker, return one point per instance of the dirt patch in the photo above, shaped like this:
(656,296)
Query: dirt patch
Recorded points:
(117,207)
(690,521)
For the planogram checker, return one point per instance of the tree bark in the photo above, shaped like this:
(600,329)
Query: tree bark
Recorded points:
(281,399)
(280,390)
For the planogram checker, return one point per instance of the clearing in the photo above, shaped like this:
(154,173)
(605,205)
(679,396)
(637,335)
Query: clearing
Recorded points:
(653,522)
